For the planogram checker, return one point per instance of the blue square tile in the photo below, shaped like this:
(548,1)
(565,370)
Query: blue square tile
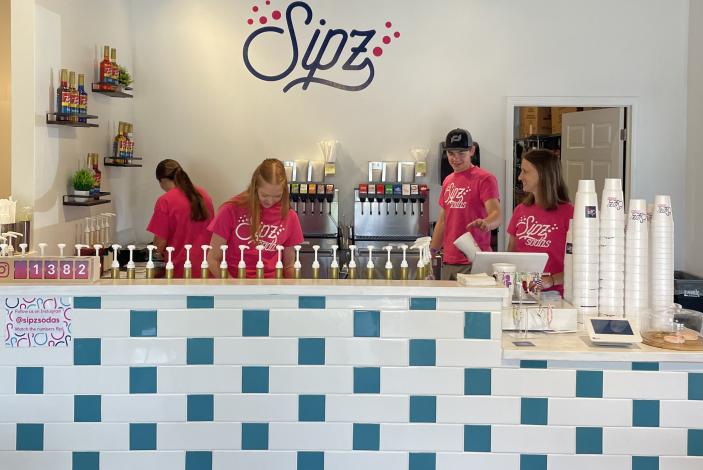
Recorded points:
(311,408)
(255,323)
(526,364)
(142,380)
(423,303)
(695,442)
(30,437)
(367,323)
(695,386)
(86,461)
(311,302)
(87,302)
(200,351)
(29,380)
(198,460)
(423,352)
(142,323)
(651,366)
(477,438)
(366,436)
(423,409)
(533,411)
(201,407)
(87,408)
(310,461)
(533,462)
(645,463)
(255,379)
(142,436)
(589,383)
(645,413)
(477,381)
(367,380)
(86,352)
(477,325)
(311,351)
(255,436)
(589,440)
(200,301)
(422,461)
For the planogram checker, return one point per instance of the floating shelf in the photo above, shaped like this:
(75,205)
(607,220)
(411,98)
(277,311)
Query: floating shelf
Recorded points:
(85,201)
(110,161)
(52,118)
(116,91)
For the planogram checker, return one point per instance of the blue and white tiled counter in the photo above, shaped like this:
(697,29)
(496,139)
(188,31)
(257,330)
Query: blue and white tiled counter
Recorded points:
(373,376)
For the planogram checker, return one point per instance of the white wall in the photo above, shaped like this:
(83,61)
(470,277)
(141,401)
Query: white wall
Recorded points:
(693,262)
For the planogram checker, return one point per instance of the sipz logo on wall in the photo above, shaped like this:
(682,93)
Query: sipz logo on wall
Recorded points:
(333,57)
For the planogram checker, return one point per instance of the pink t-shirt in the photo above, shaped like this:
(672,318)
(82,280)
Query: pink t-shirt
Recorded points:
(463,199)
(232,223)
(171,221)
(537,230)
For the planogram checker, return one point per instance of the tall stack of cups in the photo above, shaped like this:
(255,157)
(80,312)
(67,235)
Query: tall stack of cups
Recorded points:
(586,247)
(569,264)
(661,262)
(612,249)
(636,259)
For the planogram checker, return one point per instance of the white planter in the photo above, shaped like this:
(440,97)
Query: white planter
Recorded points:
(81,193)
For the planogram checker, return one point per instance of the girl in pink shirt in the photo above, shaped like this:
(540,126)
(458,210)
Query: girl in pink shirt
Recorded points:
(261,215)
(540,223)
(181,216)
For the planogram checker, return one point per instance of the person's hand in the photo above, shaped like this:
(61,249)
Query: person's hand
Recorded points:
(480,224)
(547,281)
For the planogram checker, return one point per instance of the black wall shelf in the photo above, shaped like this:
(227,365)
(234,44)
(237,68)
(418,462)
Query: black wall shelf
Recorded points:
(109,89)
(85,201)
(111,161)
(53,119)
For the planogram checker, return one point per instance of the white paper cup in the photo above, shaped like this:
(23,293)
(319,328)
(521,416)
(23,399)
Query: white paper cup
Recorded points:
(618,276)
(612,206)
(467,245)
(610,311)
(586,186)
(618,250)
(614,230)
(504,274)
(583,259)
(610,259)
(612,184)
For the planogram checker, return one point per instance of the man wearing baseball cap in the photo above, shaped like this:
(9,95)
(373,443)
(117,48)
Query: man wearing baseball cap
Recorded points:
(469,201)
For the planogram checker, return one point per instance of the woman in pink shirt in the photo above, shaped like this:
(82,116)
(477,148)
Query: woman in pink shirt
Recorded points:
(261,215)
(540,223)
(181,216)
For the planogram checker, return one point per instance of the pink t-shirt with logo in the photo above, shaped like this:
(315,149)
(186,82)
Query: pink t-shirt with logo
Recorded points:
(463,199)
(537,230)
(171,221)
(233,223)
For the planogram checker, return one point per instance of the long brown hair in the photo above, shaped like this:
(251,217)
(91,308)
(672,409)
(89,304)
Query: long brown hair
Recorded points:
(172,170)
(551,184)
(270,171)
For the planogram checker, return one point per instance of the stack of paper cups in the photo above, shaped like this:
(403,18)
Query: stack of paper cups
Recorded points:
(636,259)
(569,265)
(585,233)
(612,250)
(661,249)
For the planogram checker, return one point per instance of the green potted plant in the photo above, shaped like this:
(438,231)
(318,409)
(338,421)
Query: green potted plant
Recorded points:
(125,78)
(83,182)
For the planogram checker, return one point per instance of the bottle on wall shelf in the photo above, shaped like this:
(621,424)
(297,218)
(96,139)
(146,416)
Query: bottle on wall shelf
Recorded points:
(130,142)
(114,68)
(95,170)
(63,97)
(75,98)
(82,98)
(118,144)
(105,70)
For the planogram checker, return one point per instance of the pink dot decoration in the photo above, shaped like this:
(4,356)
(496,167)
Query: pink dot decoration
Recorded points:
(396,34)
(250,21)
(254,8)
(388,24)
(268,2)
(377,51)
(276,15)
(263,20)
(386,40)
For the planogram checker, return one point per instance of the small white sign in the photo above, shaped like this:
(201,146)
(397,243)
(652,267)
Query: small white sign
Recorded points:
(37,322)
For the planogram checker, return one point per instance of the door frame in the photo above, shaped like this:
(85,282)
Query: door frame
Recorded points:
(512,102)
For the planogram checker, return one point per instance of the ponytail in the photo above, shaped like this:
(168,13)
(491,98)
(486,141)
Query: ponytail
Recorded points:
(172,170)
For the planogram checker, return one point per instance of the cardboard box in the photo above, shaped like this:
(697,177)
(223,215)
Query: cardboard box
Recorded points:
(535,121)
(557,116)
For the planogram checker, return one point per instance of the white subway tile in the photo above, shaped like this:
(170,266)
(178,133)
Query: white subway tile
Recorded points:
(310,436)
(143,408)
(86,380)
(368,408)
(256,351)
(422,437)
(590,412)
(681,366)
(199,436)
(368,302)
(269,460)
(142,460)
(254,407)
(680,463)
(36,408)
(62,356)
(645,385)
(589,462)
(7,380)
(644,441)
(533,439)
(422,324)
(681,414)
(311,379)
(256,301)
(143,302)
(356,460)
(8,436)
(534,382)
(589,365)
(36,460)
(469,352)
(422,380)
(199,379)
(470,304)
(99,323)
(366,352)
(143,351)
(86,436)
(469,409)
(326,323)
(470,460)
(197,323)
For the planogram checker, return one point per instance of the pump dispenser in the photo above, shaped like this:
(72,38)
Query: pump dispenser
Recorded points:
(420,272)
(279,263)
(369,264)
(297,266)
(77,246)
(242,266)
(316,264)
(150,270)
(404,264)
(42,247)
(23,247)
(389,265)
(352,263)
(204,266)
(260,263)
(131,268)
(61,246)
(187,266)
(224,271)
(169,264)
(98,258)
(334,266)
(115,266)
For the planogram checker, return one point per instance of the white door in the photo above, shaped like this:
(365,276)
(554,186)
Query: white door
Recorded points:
(591,147)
